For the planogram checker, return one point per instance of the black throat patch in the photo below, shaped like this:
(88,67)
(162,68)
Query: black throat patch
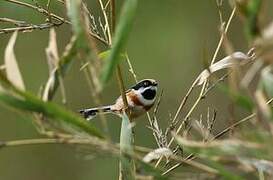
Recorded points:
(149,94)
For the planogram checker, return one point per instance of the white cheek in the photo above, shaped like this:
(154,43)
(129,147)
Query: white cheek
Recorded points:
(147,102)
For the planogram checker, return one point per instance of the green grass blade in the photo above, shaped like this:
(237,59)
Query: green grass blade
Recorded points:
(85,45)
(252,29)
(26,101)
(50,110)
(79,25)
(127,166)
(74,14)
(250,11)
(123,28)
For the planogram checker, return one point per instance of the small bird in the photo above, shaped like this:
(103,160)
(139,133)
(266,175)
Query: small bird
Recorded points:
(141,97)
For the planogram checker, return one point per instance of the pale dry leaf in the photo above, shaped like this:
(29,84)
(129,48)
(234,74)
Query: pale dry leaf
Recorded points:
(260,164)
(237,58)
(53,80)
(12,69)
(156,154)
(49,86)
(52,51)
(268,32)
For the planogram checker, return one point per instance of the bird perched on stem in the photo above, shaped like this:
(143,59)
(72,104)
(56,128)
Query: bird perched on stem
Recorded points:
(141,97)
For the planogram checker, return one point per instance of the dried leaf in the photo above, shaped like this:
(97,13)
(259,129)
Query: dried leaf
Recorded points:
(49,87)
(52,51)
(268,32)
(156,154)
(237,58)
(12,69)
(259,164)
(60,70)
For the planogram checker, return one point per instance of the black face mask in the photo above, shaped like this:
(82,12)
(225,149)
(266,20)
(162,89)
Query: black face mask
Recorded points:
(149,94)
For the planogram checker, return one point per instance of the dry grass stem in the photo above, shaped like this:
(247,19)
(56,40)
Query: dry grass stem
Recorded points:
(184,100)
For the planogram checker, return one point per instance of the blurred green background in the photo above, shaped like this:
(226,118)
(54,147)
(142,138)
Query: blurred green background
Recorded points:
(170,42)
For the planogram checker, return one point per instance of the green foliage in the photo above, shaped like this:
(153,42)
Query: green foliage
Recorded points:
(127,166)
(26,101)
(74,13)
(120,37)
(237,97)
(250,10)
(255,150)
(253,9)
(77,21)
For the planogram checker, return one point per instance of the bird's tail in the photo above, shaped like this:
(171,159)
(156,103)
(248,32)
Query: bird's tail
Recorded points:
(92,112)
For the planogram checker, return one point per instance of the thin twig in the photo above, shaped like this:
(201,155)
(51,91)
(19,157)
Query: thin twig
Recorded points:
(189,113)
(15,22)
(131,69)
(88,74)
(39,9)
(214,84)
(223,35)
(193,85)
(118,72)
(107,26)
(158,134)
(60,20)
(113,15)
(220,134)
(97,143)
(151,123)
(238,123)
(48,10)
(28,28)
(121,87)
(92,68)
